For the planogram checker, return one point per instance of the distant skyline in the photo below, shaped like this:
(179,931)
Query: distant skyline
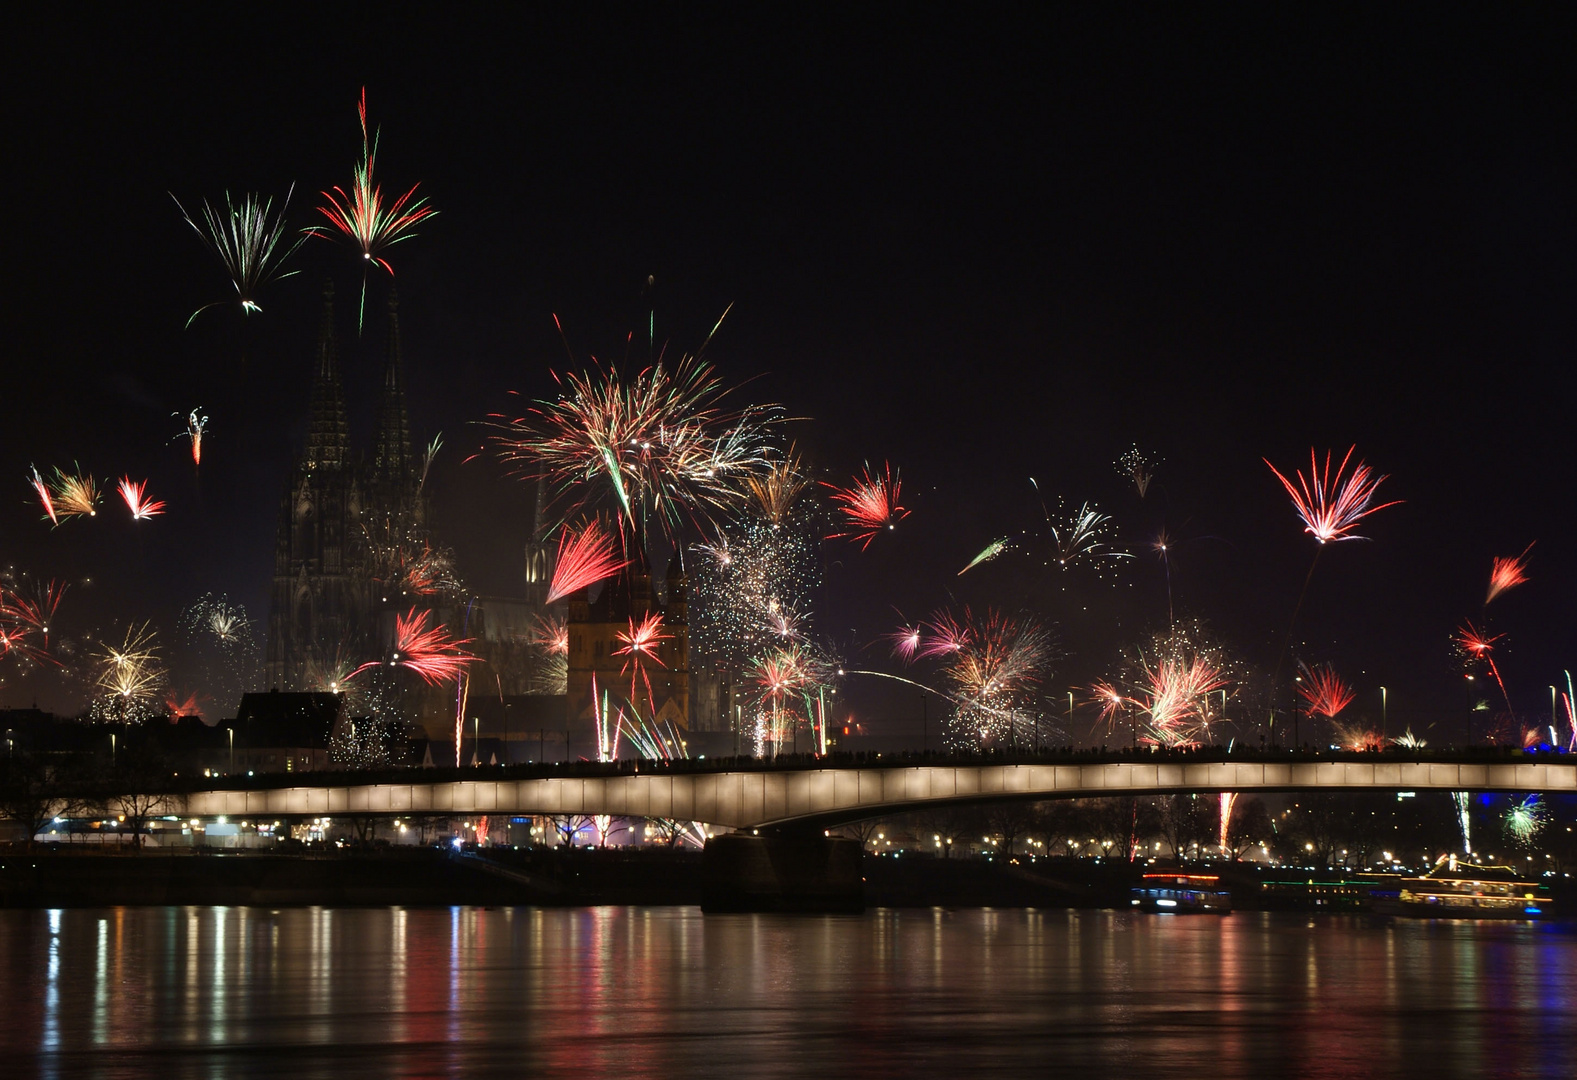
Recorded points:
(983,249)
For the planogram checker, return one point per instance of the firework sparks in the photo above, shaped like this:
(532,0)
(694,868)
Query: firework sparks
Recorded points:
(74,494)
(141,507)
(178,705)
(1507,573)
(1526,818)
(992,665)
(584,558)
(869,505)
(427,650)
(991,551)
(1324,692)
(44,495)
(907,641)
(246,238)
(364,217)
(1330,505)
(1170,688)
(196,425)
(661,443)
(1409,741)
(751,590)
(35,612)
(1227,799)
(1356,737)
(1137,466)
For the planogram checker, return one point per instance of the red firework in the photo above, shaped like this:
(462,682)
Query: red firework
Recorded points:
(1506,573)
(1109,699)
(1481,646)
(640,644)
(1325,692)
(176,706)
(584,558)
(869,505)
(1332,505)
(134,493)
(427,650)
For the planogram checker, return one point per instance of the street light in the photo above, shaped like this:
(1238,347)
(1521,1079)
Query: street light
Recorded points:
(231,733)
(1383,731)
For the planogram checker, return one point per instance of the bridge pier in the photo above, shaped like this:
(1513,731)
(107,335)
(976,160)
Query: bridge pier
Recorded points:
(782,872)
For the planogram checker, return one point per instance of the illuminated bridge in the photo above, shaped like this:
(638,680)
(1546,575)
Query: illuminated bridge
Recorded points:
(798,796)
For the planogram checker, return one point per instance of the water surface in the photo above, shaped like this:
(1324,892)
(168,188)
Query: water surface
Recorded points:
(668,992)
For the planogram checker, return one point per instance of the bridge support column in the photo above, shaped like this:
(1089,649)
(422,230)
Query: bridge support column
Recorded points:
(745,872)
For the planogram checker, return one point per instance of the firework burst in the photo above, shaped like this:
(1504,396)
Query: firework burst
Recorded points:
(869,505)
(246,238)
(427,650)
(992,665)
(776,492)
(751,590)
(1476,644)
(1137,466)
(196,425)
(991,551)
(1324,692)
(1174,689)
(661,444)
(1332,505)
(73,495)
(363,215)
(1526,818)
(130,677)
(141,507)
(584,558)
(640,644)
(1507,573)
(1081,536)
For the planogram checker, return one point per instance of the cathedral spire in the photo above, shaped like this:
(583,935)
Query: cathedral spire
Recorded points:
(328,437)
(392,455)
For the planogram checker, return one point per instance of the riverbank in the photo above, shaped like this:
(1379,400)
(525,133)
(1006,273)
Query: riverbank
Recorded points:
(580,877)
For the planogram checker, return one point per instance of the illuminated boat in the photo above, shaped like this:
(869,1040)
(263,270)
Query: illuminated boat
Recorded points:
(1181,894)
(1454,890)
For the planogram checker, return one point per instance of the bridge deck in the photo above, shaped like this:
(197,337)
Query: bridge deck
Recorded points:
(827,796)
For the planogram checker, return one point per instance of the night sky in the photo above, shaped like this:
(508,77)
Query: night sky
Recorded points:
(982,250)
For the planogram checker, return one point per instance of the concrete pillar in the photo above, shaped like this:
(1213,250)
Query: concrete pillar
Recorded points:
(746,872)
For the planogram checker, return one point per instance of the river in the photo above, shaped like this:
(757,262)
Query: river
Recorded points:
(667,992)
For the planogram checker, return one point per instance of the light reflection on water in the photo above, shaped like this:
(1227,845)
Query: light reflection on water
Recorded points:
(318,992)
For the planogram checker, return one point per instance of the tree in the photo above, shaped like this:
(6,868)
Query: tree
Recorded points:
(569,826)
(1249,827)
(1009,822)
(33,792)
(137,788)
(1185,820)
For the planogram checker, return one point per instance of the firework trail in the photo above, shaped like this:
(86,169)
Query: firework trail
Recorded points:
(137,502)
(1331,506)
(1463,802)
(196,425)
(74,495)
(1227,799)
(364,217)
(1507,573)
(640,644)
(661,444)
(1478,645)
(1525,819)
(44,495)
(462,698)
(427,459)
(584,558)
(869,505)
(246,238)
(1569,700)
(427,650)
(130,677)
(1136,466)
(991,551)
(1324,692)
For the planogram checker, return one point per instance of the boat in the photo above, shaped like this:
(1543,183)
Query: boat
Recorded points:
(1464,890)
(1177,893)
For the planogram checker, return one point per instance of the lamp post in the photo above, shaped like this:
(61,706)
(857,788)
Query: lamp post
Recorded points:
(231,733)
(1383,701)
